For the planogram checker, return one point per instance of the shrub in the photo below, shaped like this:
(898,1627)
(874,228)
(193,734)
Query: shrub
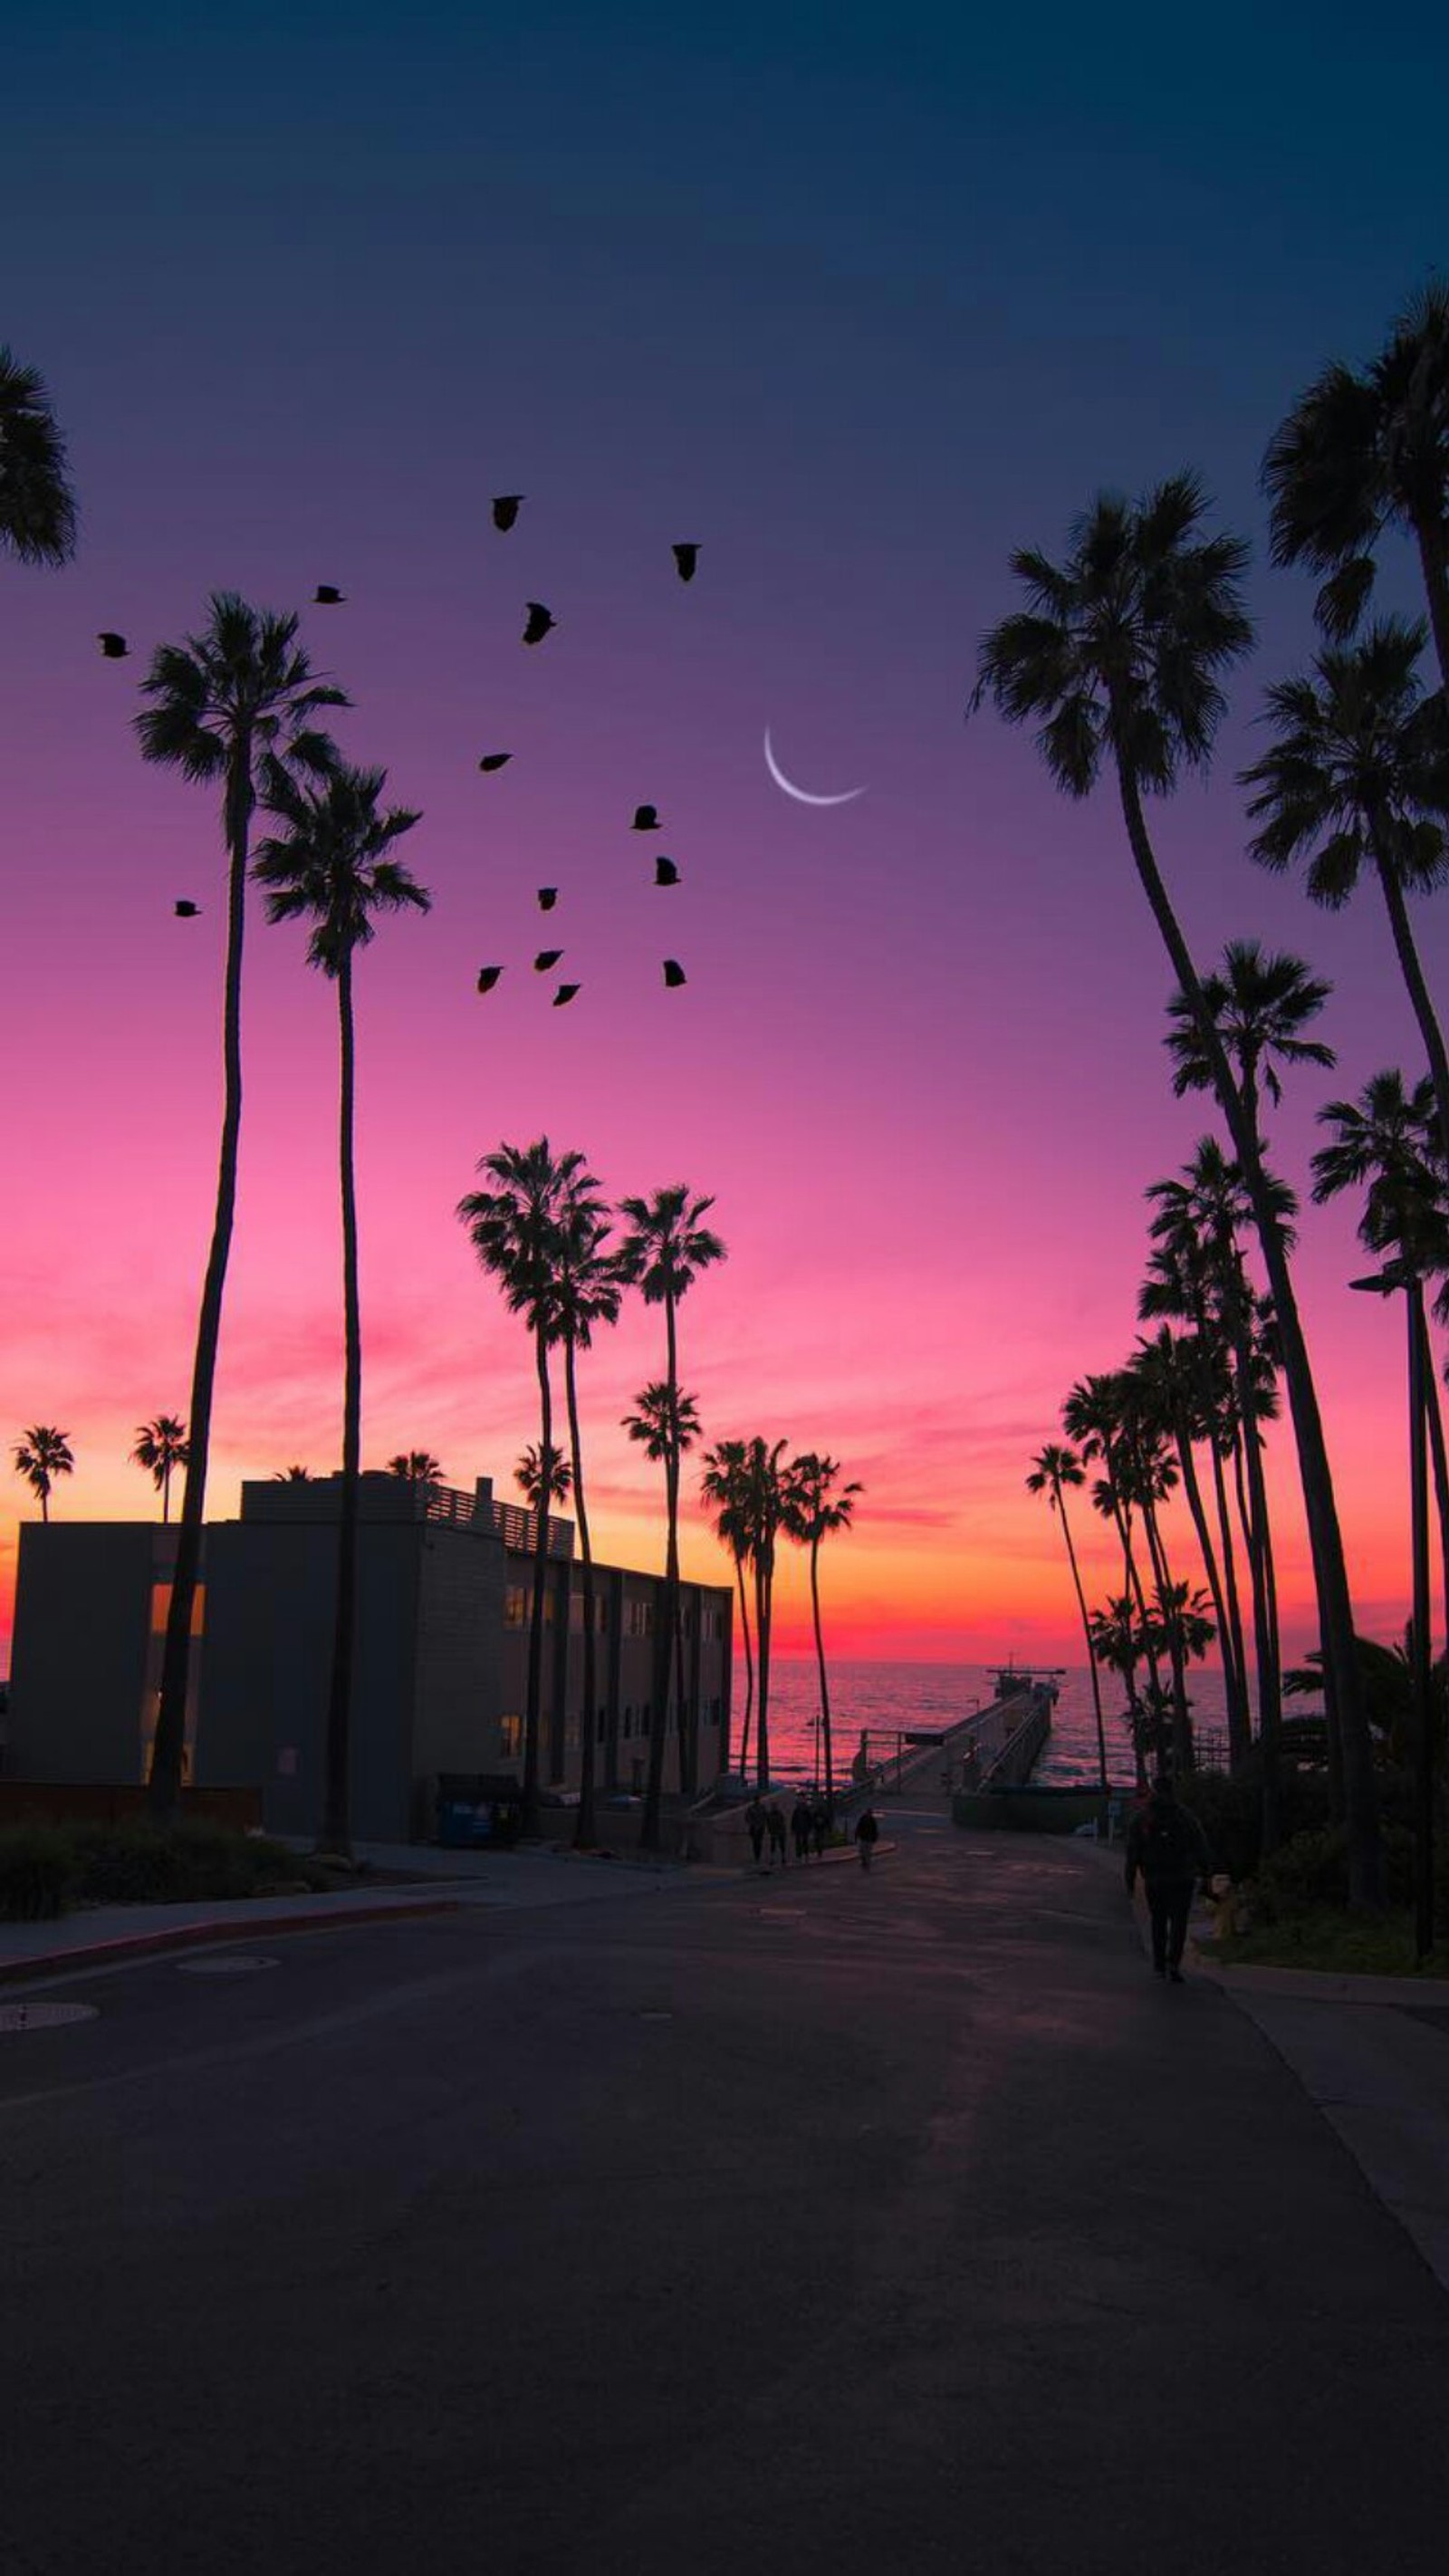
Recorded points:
(37,1873)
(1229,1809)
(1312,1870)
(197,1859)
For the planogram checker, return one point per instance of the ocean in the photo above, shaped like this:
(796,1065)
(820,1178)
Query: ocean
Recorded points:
(882,1698)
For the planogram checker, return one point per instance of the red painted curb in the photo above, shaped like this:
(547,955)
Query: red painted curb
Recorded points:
(190,1936)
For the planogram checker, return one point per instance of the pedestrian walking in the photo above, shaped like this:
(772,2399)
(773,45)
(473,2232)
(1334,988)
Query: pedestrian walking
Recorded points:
(1167,1845)
(775,1828)
(800,1828)
(866,1833)
(819,1826)
(755,1819)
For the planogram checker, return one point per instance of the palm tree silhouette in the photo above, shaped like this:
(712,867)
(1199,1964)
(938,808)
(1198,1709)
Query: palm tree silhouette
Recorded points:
(1358,778)
(1183,1387)
(37,505)
(1055,1471)
(763,1510)
(417,1467)
(1363,452)
(330,866)
(588,1294)
(515,1233)
(41,1455)
(663,1253)
(161,1449)
(291,1475)
(530,1478)
(665,1422)
(815,1507)
(1118,658)
(224,701)
(722,1487)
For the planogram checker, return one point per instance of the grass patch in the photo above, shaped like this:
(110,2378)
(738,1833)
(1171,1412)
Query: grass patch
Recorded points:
(45,1870)
(1342,1944)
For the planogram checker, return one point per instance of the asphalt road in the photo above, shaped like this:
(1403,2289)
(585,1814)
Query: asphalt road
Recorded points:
(814,2222)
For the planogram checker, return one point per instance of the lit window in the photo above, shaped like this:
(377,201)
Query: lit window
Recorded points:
(515,1606)
(510,1736)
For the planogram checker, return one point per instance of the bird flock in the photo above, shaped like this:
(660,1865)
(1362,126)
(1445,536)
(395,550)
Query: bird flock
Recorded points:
(539,621)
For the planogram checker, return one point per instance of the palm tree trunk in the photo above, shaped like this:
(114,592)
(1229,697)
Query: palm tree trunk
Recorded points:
(663,1658)
(764,1586)
(164,1788)
(749,1671)
(533,1714)
(1087,1634)
(1341,1677)
(165,1494)
(335,1833)
(824,1683)
(1412,971)
(1265,1623)
(1434,1417)
(1182,1743)
(1193,1491)
(586,1830)
(1240,1728)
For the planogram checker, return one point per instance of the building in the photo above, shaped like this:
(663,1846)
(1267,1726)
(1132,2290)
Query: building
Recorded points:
(444,1600)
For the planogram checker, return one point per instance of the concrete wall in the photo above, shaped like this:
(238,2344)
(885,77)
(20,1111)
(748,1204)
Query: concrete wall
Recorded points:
(457,1677)
(82,1645)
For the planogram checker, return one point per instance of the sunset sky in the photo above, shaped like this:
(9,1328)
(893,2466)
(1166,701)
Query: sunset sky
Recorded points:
(859,300)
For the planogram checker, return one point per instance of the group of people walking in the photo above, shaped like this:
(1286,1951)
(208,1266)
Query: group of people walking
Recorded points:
(808,1829)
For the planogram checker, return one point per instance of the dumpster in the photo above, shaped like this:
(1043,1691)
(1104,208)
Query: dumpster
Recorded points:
(477,1807)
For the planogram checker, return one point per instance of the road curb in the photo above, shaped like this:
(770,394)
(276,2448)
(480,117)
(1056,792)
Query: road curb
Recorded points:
(190,1936)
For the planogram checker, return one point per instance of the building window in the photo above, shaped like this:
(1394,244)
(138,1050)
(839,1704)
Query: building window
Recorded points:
(515,1606)
(510,1736)
(603,1725)
(640,1621)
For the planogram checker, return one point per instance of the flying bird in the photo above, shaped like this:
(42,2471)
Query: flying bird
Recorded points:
(186,911)
(674,973)
(546,957)
(665,872)
(686,557)
(564,994)
(114,647)
(505,508)
(547,898)
(646,819)
(539,622)
(488,977)
(325,596)
(495,759)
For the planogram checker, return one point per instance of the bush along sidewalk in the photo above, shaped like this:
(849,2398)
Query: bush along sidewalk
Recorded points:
(47,1870)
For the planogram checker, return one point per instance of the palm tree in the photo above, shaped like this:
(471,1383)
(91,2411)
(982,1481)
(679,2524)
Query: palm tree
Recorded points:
(1056,1470)
(588,1294)
(1361,453)
(1184,1388)
(722,1487)
(530,1478)
(663,1253)
(418,1468)
(1118,658)
(763,1510)
(161,1449)
(40,1456)
(515,1233)
(330,865)
(814,1508)
(223,701)
(37,505)
(291,1475)
(1358,778)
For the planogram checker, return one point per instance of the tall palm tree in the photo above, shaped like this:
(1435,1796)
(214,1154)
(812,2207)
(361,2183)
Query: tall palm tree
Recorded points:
(417,1467)
(330,864)
(666,1424)
(223,701)
(722,1486)
(815,1507)
(1259,1002)
(161,1449)
(1365,451)
(1208,1208)
(763,1507)
(588,1295)
(515,1233)
(665,1249)
(1358,778)
(1056,1470)
(1117,658)
(41,1455)
(530,1477)
(37,505)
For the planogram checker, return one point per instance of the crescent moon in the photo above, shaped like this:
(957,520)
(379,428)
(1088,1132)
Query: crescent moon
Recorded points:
(802,794)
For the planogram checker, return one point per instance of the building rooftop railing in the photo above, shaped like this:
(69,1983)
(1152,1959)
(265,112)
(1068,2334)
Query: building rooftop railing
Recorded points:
(517,1527)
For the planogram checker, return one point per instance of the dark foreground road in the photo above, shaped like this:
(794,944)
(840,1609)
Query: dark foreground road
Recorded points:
(812,2223)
